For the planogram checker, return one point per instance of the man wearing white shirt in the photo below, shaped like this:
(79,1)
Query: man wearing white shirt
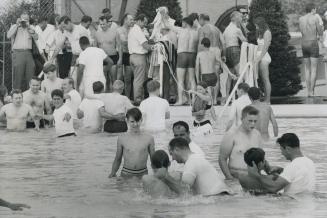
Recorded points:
(90,67)
(85,24)
(138,47)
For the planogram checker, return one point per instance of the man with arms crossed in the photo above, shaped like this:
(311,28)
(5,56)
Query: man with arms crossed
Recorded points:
(236,142)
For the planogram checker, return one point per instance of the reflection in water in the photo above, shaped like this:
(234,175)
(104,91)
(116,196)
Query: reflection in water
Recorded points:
(69,178)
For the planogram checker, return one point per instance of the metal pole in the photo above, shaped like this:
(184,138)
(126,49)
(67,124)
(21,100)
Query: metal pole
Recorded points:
(3,56)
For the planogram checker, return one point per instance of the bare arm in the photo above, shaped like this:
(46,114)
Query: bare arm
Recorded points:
(274,123)
(151,147)
(58,48)
(197,68)
(47,105)
(241,36)
(80,72)
(103,113)
(118,159)
(267,42)
(225,151)
(12,31)
(119,49)
(320,28)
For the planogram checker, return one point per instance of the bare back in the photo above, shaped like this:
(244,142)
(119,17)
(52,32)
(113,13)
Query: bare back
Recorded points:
(309,25)
(208,62)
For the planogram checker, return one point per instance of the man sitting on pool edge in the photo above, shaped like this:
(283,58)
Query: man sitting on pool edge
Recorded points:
(297,177)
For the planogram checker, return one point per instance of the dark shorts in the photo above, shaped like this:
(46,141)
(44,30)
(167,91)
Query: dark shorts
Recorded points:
(196,124)
(233,55)
(115,126)
(210,79)
(310,49)
(125,60)
(114,58)
(125,172)
(30,125)
(186,60)
(68,134)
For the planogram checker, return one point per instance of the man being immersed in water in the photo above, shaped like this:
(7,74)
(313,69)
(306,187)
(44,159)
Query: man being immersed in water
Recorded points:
(134,146)
(17,112)
(237,141)
(38,100)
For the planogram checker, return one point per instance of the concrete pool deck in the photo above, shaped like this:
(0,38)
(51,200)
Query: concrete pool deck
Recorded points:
(280,111)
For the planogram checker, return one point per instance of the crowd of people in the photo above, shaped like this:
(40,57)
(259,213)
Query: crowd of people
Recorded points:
(93,79)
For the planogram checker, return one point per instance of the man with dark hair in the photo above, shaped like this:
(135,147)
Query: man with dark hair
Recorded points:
(237,141)
(198,177)
(90,67)
(243,100)
(135,146)
(39,102)
(195,20)
(84,25)
(297,177)
(72,98)
(311,29)
(266,114)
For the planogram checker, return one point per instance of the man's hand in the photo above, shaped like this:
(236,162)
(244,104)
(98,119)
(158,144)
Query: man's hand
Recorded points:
(18,206)
(67,117)
(111,175)
(161,173)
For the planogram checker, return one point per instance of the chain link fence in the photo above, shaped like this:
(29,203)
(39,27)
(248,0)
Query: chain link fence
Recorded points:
(9,12)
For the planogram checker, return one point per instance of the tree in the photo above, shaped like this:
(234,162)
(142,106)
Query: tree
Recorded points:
(284,68)
(148,7)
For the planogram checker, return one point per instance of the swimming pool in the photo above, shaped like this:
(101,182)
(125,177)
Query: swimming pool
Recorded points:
(68,178)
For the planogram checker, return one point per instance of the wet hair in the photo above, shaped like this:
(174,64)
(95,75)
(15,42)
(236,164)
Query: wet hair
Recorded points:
(160,159)
(309,7)
(3,93)
(118,85)
(64,19)
(106,18)
(205,17)
(203,84)
(182,124)
(153,85)
(16,91)
(140,17)
(84,41)
(255,155)
(179,143)
(57,92)
(289,140)
(194,16)
(263,26)
(205,42)
(135,113)
(49,68)
(254,93)
(98,87)
(86,19)
(249,110)
(188,20)
(106,10)
(35,78)
(122,21)
(243,86)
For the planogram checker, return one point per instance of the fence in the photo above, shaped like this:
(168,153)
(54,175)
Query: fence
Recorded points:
(8,15)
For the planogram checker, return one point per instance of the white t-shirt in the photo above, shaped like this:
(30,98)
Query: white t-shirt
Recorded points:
(116,103)
(136,38)
(74,102)
(154,110)
(63,127)
(92,118)
(202,176)
(44,36)
(236,109)
(301,174)
(47,86)
(92,58)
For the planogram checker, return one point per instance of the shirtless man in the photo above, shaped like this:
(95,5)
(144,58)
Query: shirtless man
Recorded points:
(266,114)
(236,142)
(38,100)
(17,112)
(134,146)
(310,29)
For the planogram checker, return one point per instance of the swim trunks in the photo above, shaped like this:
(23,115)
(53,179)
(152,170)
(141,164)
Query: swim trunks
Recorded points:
(310,49)
(233,55)
(68,134)
(115,126)
(30,125)
(125,60)
(186,60)
(114,58)
(125,172)
(210,79)
(198,124)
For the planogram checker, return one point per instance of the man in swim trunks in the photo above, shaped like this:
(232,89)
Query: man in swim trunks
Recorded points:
(266,114)
(233,35)
(311,30)
(17,113)
(39,102)
(199,176)
(134,146)
(237,141)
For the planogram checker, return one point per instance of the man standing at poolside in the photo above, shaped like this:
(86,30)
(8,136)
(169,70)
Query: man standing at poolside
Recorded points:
(237,141)
(311,29)
(21,35)
(297,177)
(39,102)
(232,36)
(138,47)
(17,112)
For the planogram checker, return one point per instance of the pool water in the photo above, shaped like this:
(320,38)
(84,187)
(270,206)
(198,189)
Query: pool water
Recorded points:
(68,178)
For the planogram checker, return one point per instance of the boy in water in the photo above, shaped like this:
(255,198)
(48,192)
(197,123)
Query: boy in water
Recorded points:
(151,184)
(134,147)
